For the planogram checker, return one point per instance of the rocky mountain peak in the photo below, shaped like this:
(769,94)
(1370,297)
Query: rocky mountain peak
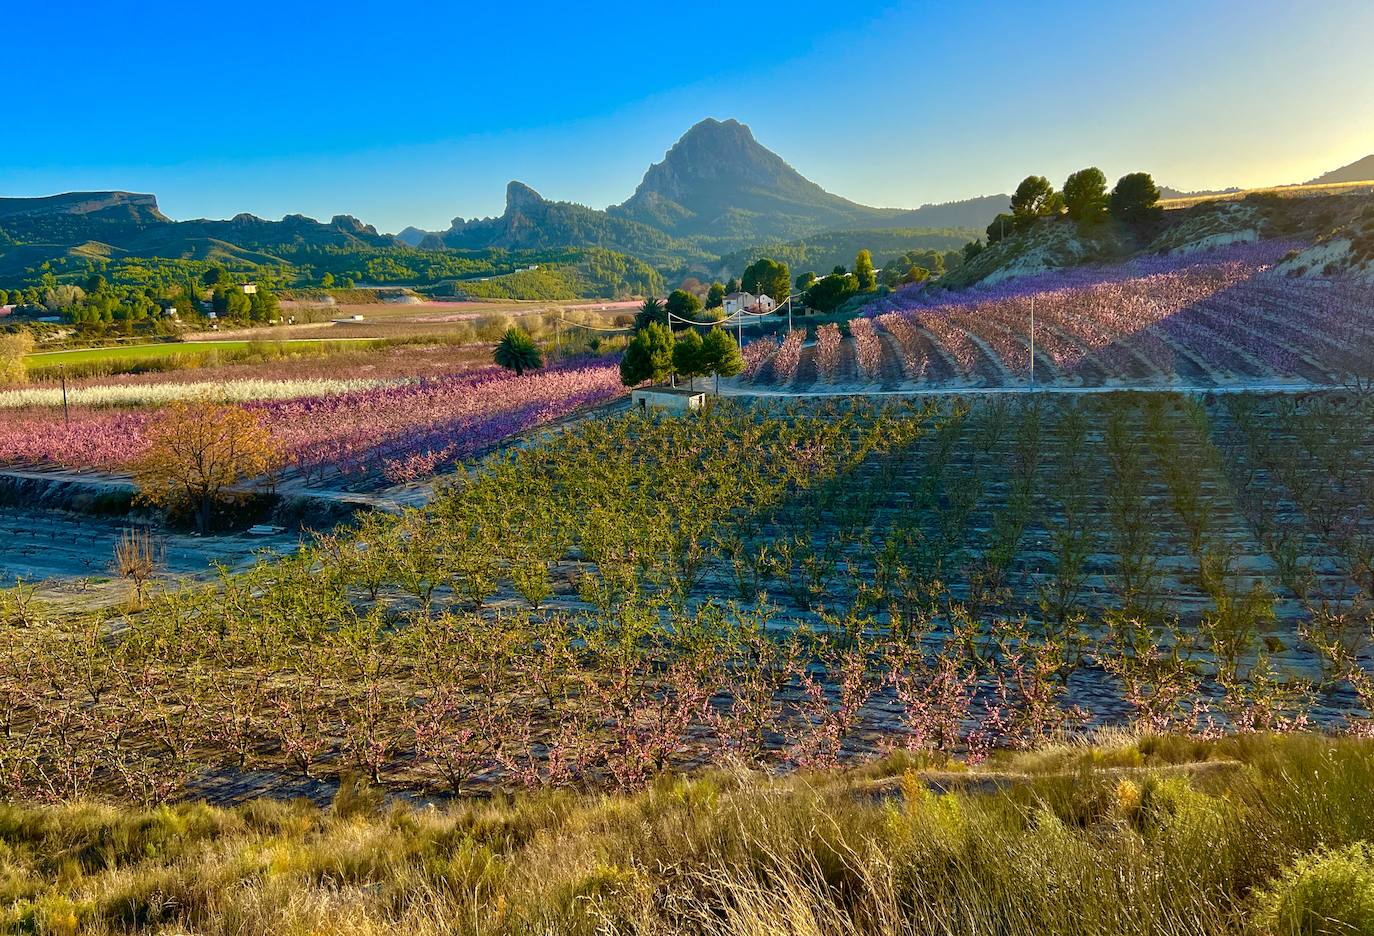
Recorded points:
(715,153)
(520,196)
(352,225)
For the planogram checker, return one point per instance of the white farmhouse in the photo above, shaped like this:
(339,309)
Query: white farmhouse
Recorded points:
(749,303)
(739,300)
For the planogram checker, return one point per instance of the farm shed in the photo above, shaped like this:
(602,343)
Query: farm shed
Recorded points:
(672,399)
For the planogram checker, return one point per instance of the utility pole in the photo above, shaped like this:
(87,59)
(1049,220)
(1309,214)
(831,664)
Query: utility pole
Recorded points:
(557,341)
(66,416)
(789,310)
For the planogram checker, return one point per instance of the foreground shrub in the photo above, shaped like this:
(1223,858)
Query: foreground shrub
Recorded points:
(1328,893)
(13,347)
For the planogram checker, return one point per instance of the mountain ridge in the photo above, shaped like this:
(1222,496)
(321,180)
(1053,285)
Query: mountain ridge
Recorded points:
(716,191)
(531,221)
(112,224)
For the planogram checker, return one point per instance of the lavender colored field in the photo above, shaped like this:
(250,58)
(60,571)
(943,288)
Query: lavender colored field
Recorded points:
(1215,319)
(389,363)
(397,432)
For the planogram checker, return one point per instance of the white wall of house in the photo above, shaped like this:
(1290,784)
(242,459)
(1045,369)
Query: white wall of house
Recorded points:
(740,300)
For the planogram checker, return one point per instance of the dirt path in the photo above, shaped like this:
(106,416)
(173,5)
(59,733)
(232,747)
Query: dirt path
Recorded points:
(71,555)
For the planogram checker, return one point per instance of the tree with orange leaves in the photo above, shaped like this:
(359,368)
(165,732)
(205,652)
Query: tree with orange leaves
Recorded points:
(197,451)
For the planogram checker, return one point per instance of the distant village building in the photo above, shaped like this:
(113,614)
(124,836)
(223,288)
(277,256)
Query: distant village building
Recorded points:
(250,288)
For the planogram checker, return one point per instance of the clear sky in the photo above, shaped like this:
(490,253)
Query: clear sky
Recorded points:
(415,112)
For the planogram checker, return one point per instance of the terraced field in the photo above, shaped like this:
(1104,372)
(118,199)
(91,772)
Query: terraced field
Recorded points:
(1210,320)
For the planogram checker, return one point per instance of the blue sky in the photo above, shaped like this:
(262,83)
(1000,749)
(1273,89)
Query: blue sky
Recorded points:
(413,113)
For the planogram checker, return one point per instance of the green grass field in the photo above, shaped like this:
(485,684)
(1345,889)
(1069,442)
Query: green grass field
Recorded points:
(148,352)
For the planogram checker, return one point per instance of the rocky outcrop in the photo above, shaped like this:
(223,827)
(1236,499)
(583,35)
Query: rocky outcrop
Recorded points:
(520,197)
(352,225)
(130,205)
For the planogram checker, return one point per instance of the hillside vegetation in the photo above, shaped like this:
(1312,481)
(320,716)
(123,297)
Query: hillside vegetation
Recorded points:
(1348,250)
(821,253)
(587,273)
(1057,242)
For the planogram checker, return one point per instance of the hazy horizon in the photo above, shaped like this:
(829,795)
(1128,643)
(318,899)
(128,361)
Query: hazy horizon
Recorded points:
(419,119)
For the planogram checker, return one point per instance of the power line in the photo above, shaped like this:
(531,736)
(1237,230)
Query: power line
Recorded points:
(600,328)
(735,317)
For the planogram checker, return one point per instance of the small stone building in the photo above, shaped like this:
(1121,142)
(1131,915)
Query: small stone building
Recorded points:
(671,399)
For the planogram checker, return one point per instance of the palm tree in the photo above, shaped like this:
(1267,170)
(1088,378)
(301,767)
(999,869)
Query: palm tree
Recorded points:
(651,312)
(517,351)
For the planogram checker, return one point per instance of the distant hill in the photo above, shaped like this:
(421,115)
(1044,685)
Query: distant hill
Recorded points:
(971,214)
(1165,192)
(412,236)
(113,223)
(1359,171)
(532,222)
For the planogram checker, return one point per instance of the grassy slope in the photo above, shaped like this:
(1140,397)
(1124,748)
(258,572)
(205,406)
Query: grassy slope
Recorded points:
(1151,835)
